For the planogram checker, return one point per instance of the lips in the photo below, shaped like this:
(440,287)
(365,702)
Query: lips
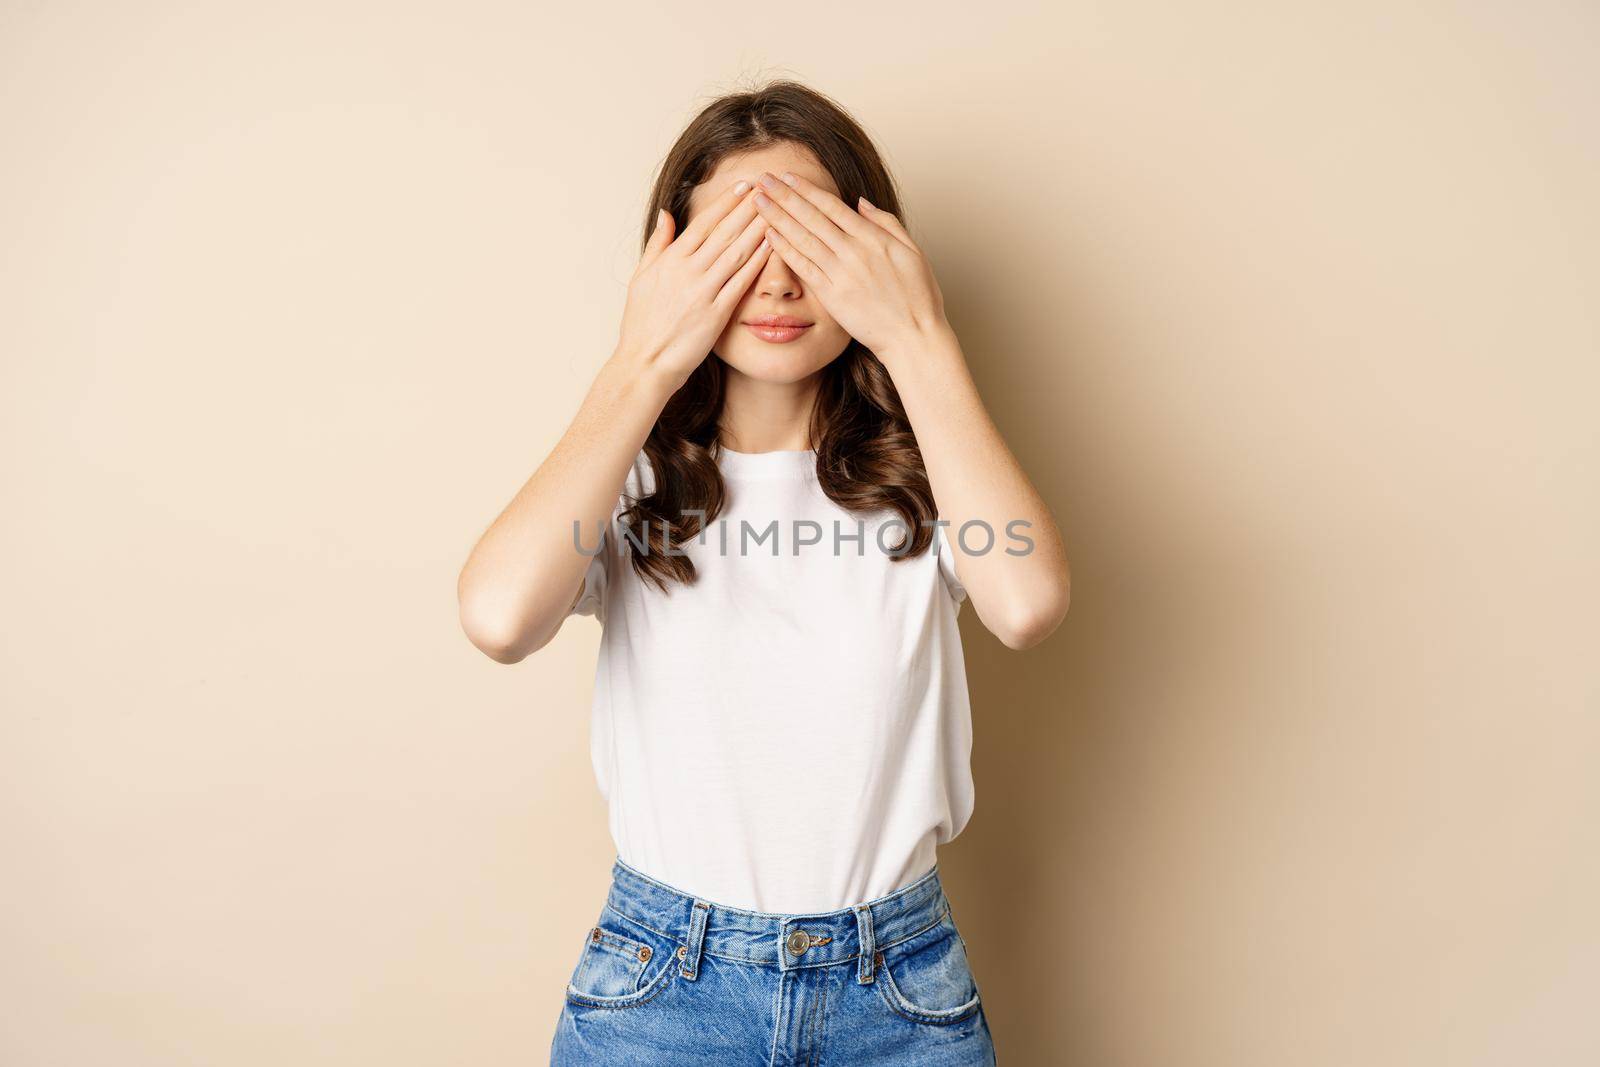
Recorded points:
(777,335)
(777,329)
(777,320)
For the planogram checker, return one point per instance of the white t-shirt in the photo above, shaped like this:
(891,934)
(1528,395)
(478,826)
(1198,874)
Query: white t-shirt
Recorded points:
(791,733)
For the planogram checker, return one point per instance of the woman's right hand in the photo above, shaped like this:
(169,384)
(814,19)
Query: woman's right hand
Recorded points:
(524,576)
(685,290)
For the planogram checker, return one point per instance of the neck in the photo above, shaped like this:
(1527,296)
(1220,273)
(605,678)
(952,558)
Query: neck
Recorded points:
(762,416)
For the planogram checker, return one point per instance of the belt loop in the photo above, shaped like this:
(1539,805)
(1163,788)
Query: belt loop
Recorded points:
(697,938)
(869,946)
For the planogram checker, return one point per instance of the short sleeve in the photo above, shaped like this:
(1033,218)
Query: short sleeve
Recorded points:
(594,582)
(598,576)
(947,567)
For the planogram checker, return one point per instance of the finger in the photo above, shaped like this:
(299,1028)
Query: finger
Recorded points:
(796,235)
(826,239)
(729,230)
(836,210)
(732,258)
(797,260)
(888,221)
(660,236)
(696,232)
(735,286)
(821,239)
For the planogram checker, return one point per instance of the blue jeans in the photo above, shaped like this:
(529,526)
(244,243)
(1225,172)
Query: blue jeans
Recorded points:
(664,979)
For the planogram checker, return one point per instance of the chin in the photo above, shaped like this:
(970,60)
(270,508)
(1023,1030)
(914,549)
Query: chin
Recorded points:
(777,364)
(776,371)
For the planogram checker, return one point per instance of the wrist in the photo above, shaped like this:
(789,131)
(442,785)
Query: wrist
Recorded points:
(645,372)
(920,345)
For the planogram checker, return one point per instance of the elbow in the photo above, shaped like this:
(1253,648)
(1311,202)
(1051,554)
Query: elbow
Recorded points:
(494,630)
(1025,632)
(493,638)
(1031,621)
(499,651)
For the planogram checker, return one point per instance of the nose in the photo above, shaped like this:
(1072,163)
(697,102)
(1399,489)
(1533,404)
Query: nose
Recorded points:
(776,279)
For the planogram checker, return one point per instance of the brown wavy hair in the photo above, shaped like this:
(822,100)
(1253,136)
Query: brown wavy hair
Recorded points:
(867,457)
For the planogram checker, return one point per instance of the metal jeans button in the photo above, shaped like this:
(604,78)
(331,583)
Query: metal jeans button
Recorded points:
(799,941)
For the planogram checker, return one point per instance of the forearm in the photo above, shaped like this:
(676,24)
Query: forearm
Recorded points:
(522,577)
(976,479)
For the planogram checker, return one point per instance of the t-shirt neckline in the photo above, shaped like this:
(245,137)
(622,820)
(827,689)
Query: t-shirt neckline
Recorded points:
(781,463)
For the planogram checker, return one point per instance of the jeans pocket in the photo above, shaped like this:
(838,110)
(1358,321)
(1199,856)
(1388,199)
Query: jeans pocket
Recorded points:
(619,966)
(928,978)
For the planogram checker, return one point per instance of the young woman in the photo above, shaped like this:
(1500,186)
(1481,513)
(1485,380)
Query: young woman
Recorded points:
(793,485)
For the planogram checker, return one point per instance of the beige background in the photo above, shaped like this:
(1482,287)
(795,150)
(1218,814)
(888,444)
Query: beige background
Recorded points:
(1289,310)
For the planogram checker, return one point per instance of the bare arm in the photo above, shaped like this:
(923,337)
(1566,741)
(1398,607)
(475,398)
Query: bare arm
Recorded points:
(525,574)
(877,283)
(1020,598)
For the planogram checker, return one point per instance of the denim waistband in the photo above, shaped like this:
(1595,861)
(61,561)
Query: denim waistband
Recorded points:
(785,941)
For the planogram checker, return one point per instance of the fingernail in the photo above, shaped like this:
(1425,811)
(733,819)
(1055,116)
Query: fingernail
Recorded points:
(768,180)
(789,179)
(741,188)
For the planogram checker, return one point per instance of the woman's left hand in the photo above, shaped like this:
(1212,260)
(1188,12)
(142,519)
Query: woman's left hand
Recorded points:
(864,267)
